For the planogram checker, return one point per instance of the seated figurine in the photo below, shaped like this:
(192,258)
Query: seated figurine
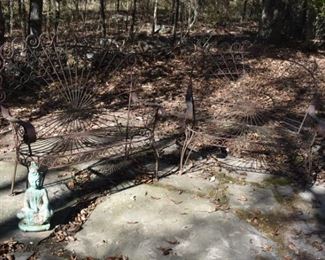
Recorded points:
(36,214)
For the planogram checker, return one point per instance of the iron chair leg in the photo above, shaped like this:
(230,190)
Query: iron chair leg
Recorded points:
(13,181)
(310,154)
(156,154)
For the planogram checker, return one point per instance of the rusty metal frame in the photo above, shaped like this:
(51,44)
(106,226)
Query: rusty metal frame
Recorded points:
(81,126)
(315,128)
(225,61)
(240,128)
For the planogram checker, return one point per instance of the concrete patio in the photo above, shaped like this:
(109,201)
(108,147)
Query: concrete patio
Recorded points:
(205,214)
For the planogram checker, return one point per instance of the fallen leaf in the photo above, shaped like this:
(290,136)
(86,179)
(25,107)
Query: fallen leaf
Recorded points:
(267,248)
(71,185)
(70,238)
(255,220)
(173,242)
(225,207)
(165,251)
(117,258)
(132,222)
(316,244)
(74,228)
(276,232)
(176,202)
(63,174)
(293,248)
(242,198)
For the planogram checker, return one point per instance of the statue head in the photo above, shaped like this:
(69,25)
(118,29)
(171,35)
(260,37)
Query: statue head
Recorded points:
(34,177)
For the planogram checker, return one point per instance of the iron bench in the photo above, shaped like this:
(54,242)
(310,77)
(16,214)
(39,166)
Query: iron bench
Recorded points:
(79,114)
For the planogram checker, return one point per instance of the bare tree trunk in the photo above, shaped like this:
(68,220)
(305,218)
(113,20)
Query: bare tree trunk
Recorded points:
(244,10)
(134,13)
(117,6)
(154,22)
(181,16)
(57,10)
(309,18)
(35,17)
(76,6)
(192,15)
(283,20)
(48,16)
(11,16)
(172,15)
(103,17)
(84,16)
(176,21)
(22,16)
(272,20)
(127,17)
(2,27)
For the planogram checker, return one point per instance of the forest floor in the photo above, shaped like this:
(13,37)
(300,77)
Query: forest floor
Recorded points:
(236,206)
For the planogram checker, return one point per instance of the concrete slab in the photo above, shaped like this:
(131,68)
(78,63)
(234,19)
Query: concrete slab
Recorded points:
(285,191)
(150,222)
(23,255)
(173,218)
(316,197)
(248,197)
(6,171)
(306,239)
(256,177)
(192,183)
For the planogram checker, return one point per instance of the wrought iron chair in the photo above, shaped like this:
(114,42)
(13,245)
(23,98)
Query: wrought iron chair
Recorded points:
(78,112)
(236,115)
(234,112)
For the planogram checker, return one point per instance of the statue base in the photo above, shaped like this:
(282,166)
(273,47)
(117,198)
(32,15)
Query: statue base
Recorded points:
(32,228)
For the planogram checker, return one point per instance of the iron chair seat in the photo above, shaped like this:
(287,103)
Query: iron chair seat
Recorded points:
(64,150)
(75,144)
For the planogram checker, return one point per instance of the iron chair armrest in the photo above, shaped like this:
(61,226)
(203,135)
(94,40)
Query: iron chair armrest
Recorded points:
(28,134)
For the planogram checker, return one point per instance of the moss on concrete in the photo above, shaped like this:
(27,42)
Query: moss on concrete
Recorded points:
(271,225)
(276,181)
(286,201)
(226,178)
